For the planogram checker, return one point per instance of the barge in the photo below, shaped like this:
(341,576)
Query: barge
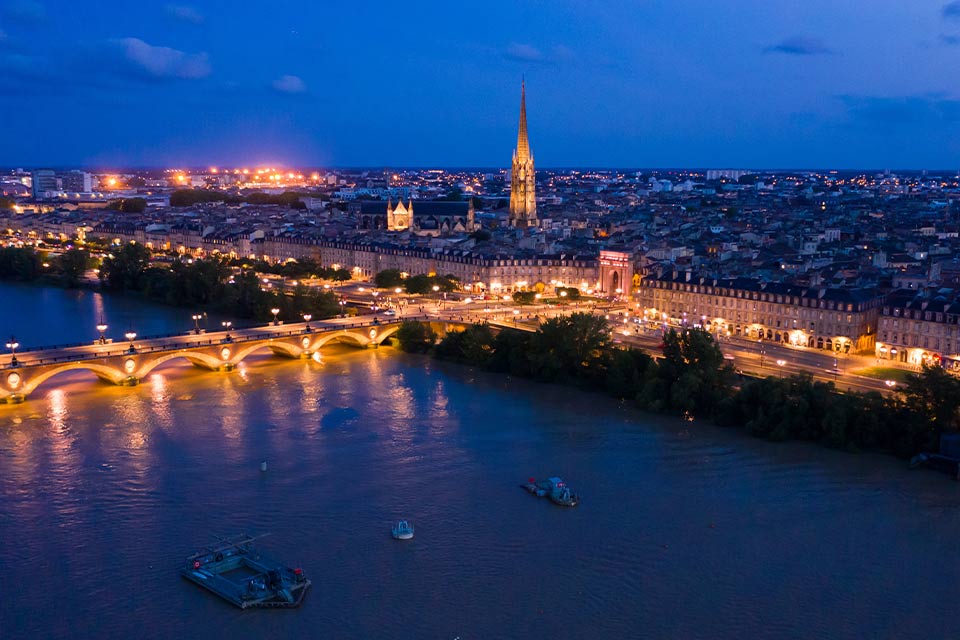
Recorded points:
(553,488)
(244,576)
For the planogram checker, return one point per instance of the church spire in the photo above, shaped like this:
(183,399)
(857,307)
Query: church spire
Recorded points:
(523,176)
(523,145)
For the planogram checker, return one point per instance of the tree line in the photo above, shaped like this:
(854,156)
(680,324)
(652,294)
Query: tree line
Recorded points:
(692,380)
(190,197)
(210,284)
(418,284)
(26,264)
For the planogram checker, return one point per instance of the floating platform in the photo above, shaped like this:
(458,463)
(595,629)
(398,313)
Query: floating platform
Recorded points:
(244,576)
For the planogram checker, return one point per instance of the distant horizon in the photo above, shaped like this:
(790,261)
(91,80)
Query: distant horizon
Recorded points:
(489,169)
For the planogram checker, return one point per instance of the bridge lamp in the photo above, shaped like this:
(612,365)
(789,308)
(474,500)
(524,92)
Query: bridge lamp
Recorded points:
(226,324)
(275,312)
(13,345)
(130,335)
(196,322)
(102,328)
(306,318)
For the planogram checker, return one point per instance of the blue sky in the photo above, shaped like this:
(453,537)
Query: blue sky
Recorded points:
(642,83)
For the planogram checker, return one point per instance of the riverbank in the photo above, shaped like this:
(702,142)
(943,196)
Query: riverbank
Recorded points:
(693,381)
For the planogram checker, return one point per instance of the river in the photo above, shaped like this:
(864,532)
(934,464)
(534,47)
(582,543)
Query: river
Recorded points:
(685,530)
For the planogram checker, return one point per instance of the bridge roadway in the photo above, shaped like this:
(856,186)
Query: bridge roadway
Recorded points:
(126,363)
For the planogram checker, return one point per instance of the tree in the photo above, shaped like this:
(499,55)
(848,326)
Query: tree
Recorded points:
(935,396)
(73,263)
(524,297)
(18,263)
(481,235)
(388,279)
(128,205)
(340,275)
(693,371)
(473,345)
(7,203)
(415,337)
(570,348)
(418,284)
(124,270)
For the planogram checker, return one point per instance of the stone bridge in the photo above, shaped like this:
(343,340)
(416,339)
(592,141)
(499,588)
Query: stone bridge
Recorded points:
(128,363)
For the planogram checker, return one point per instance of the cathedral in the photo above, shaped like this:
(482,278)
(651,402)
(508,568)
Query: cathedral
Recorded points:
(401,217)
(421,217)
(523,177)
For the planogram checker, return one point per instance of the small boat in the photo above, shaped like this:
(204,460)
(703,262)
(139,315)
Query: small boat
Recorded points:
(244,576)
(403,530)
(555,489)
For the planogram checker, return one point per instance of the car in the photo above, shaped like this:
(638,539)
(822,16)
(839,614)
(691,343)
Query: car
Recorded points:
(389,312)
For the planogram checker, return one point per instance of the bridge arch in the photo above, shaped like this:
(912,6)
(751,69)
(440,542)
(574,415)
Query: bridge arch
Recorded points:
(277,347)
(196,358)
(356,338)
(104,372)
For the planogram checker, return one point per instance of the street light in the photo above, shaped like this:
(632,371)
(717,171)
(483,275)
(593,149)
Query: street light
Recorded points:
(196,323)
(342,307)
(226,324)
(780,364)
(890,383)
(12,345)
(130,335)
(306,318)
(102,328)
(275,312)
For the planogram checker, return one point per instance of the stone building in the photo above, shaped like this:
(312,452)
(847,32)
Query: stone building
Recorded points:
(841,320)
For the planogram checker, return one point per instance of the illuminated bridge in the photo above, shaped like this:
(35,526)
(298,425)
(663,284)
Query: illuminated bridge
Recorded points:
(127,363)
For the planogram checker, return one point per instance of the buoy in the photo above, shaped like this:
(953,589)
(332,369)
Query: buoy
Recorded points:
(263,466)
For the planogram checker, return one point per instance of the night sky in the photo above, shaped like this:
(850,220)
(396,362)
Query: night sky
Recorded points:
(633,83)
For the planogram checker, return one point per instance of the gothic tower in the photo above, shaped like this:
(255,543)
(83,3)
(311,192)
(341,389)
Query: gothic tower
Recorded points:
(523,177)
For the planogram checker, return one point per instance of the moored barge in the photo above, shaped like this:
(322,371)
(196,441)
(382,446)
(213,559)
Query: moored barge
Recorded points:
(244,576)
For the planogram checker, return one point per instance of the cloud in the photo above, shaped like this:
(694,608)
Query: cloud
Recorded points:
(519,52)
(922,109)
(800,46)
(184,13)
(951,10)
(523,53)
(25,11)
(162,62)
(950,41)
(289,84)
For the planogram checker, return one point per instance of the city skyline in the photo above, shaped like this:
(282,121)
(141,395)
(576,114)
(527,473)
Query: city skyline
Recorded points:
(687,85)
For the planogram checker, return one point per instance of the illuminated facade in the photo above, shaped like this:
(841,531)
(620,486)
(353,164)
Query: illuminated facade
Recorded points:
(616,273)
(840,320)
(477,272)
(523,176)
(400,217)
(920,328)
